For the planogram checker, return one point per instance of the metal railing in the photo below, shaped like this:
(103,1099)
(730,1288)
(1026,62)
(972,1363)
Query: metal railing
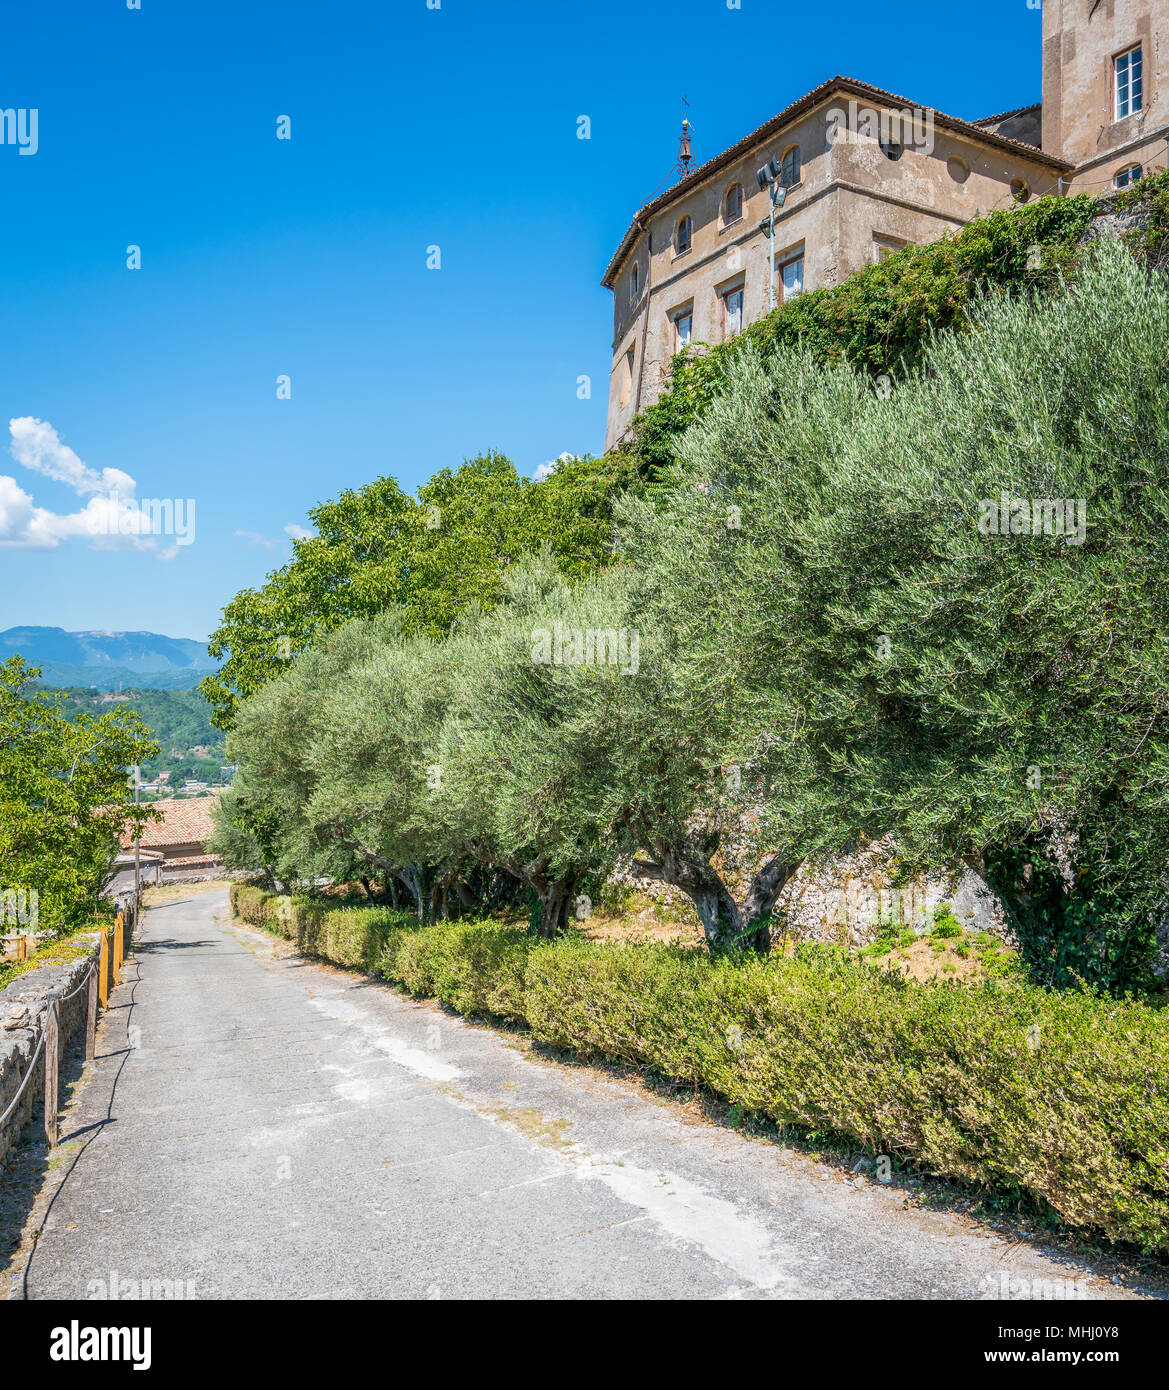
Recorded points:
(101,977)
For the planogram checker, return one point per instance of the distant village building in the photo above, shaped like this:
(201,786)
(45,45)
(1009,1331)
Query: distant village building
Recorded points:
(176,846)
(865,173)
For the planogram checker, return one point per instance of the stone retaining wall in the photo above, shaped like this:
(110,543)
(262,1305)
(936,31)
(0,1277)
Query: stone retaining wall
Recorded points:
(847,901)
(23,1008)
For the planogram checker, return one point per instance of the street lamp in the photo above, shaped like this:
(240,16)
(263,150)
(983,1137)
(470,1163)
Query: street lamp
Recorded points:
(137,840)
(767,176)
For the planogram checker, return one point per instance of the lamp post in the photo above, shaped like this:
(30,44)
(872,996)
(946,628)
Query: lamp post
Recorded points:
(137,840)
(768,177)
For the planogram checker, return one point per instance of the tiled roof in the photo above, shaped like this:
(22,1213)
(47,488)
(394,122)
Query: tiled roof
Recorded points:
(852,87)
(185,820)
(1006,115)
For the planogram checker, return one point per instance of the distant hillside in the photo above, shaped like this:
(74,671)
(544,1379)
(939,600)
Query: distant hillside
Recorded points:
(179,719)
(109,660)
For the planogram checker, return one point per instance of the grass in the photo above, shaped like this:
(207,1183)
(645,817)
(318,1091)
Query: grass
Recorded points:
(62,949)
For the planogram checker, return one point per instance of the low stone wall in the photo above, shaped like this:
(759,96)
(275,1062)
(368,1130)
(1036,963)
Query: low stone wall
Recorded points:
(23,1009)
(847,901)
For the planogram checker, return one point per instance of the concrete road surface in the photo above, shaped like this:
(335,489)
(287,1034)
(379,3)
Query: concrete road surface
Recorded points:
(258,1126)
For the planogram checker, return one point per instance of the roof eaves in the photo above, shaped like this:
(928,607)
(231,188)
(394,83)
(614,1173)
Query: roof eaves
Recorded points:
(1006,115)
(789,113)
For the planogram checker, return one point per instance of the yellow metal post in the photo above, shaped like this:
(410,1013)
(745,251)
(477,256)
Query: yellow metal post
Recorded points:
(103,970)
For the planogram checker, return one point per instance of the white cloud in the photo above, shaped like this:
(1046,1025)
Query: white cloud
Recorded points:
(111,517)
(37,446)
(551,466)
(254,539)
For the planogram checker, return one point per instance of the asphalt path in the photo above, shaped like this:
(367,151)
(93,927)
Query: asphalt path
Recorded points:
(261,1126)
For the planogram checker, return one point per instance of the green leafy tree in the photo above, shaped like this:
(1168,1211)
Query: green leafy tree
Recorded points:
(518,753)
(880,319)
(883,663)
(64,802)
(426,559)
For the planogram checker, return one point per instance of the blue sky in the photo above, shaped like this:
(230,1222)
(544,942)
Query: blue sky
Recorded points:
(262,257)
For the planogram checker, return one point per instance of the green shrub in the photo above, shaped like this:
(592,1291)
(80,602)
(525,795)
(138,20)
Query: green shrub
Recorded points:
(1001,1083)
(478,968)
(946,925)
(350,936)
(883,317)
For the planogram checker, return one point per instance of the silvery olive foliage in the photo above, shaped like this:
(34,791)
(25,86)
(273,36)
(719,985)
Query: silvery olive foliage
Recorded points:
(823,642)
(885,665)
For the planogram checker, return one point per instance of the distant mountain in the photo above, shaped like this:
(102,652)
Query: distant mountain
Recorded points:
(109,660)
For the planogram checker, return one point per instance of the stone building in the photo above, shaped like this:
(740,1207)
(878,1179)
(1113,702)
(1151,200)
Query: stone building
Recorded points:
(864,173)
(176,845)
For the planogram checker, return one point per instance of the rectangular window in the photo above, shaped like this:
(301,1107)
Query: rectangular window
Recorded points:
(884,246)
(1129,82)
(791,279)
(682,326)
(626,389)
(732,312)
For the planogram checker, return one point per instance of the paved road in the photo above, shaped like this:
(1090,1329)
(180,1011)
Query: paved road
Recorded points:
(259,1127)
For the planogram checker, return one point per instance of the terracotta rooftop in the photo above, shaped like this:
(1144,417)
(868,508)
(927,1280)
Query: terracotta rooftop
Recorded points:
(1005,115)
(851,87)
(186,820)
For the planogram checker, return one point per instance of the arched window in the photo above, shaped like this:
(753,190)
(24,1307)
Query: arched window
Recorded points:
(634,282)
(789,167)
(733,204)
(1127,176)
(682,234)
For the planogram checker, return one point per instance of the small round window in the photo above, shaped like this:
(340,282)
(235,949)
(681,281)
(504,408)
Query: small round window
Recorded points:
(1020,190)
(957,168)
(891,149)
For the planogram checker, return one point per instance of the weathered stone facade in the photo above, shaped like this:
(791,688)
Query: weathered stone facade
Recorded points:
(1082,41)
(866,172)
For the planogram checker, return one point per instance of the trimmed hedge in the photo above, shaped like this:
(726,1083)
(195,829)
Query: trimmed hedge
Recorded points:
(349,936)
(1063,1095)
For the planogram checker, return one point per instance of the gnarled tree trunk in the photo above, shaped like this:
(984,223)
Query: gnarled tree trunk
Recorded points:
(555,905)
(727,924)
